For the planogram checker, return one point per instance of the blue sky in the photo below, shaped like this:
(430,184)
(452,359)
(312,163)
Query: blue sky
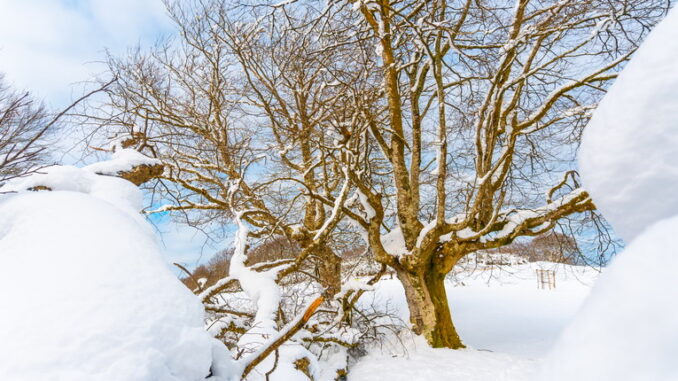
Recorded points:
(50,47)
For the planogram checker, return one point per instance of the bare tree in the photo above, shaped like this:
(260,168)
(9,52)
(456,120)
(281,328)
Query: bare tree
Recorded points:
(437,128)
(23,130)
(242,110)
(185,104)
(482,104)
(550,247)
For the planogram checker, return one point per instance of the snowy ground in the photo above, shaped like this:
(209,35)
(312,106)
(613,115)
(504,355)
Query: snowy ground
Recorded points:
(507,323)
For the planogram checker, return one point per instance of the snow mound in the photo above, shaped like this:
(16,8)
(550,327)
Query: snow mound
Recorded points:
(119,192)
(86,294)
(629,153)
(626,329)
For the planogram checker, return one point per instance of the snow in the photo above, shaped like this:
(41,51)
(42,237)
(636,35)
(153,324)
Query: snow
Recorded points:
(262,289)
(117,312)
(86,293)
(627,328)
(420,362)
(336,209)
(463,234)
(367,208)
(629,153)
(258,338)
(354,284)
(507,323)
(118,192)
(394,242)
(424,231)
(517,217)
(123,160)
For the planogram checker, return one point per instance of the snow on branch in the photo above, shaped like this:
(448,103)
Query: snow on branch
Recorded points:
(128,163)
(260,287)
(285,334)
(336,210)
(520,222)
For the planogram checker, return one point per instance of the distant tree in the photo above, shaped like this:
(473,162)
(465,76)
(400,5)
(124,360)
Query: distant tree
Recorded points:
(24,129)
(208,274)
(550,247)
(217,267)
(554,247)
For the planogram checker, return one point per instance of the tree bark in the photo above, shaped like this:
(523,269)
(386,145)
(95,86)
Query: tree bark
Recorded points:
(429,310)
(329,272)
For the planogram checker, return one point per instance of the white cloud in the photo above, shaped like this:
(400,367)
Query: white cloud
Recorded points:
(46,46)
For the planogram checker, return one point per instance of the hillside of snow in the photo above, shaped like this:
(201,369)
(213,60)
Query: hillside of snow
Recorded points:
(626,329)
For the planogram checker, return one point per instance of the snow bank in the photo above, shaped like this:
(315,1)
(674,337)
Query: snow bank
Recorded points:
(85,292)
(629,153)
(627,328)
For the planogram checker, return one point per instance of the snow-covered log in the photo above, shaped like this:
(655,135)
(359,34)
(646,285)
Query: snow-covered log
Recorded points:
(130,165)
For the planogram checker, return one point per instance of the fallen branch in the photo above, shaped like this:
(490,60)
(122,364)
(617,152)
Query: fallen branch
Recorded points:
(284,335)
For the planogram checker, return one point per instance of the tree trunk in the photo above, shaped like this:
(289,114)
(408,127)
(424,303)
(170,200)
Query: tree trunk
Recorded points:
(429,311)
(329,272)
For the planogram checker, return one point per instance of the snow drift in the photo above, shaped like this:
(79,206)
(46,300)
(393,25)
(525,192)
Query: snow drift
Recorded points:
(627,328)
(629,152)
(86,294)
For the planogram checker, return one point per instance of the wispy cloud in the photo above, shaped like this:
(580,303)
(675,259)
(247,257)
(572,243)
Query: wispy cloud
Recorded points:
(48,45)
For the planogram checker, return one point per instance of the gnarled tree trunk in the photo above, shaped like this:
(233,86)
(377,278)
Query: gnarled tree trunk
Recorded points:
(429,310)
(329,271)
